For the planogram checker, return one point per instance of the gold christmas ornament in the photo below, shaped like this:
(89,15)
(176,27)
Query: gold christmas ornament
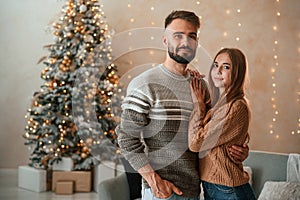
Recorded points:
(83,155)
(89,141)
(85,149)
(69,35)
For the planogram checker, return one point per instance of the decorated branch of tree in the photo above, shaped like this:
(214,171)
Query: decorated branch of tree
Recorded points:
(71,115)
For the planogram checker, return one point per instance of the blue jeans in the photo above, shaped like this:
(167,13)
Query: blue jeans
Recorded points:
(148,195)
(221,192)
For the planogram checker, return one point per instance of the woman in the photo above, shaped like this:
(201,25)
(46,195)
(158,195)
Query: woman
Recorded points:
(211,133)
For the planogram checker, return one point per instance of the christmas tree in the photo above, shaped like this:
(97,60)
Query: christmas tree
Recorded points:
(71,115)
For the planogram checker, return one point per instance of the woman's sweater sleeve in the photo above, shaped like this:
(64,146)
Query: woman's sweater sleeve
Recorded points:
(222,128)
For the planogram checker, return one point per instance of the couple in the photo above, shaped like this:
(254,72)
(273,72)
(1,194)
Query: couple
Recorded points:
(178,134)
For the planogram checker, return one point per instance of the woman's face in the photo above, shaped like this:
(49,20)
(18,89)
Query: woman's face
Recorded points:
(221,72)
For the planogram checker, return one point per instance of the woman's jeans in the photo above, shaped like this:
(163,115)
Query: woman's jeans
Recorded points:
(148,195)
(221,192)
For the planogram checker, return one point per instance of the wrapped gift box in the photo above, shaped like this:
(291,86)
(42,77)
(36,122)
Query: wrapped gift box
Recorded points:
(64,187)
(106,170)
(32,179)
(66,164)
(82,179)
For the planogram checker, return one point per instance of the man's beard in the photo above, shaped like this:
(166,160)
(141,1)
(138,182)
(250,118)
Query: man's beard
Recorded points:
(180,59)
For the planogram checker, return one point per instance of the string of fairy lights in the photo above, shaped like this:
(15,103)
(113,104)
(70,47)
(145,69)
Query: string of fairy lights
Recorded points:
(275,109)
(276,64)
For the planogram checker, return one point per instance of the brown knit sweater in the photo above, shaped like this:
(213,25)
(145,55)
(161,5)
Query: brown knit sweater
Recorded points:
(212,138)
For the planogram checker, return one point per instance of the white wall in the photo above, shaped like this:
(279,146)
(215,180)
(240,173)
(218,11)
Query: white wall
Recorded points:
(24,31)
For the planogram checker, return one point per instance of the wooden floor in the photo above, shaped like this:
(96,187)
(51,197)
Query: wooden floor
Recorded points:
(9,190)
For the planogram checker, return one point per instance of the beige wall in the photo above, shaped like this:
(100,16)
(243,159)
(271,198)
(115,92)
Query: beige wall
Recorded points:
(24,31)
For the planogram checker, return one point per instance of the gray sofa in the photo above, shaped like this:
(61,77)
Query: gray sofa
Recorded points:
(265,166)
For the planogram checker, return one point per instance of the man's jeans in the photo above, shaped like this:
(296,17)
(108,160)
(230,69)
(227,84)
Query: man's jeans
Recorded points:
(220,192)
(148,195)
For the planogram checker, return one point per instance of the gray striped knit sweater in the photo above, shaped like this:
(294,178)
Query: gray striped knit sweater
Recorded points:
(154,128)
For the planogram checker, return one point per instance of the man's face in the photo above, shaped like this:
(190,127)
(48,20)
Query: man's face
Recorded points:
(181,40)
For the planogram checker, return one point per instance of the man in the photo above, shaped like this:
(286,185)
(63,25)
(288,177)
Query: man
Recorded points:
(154,125)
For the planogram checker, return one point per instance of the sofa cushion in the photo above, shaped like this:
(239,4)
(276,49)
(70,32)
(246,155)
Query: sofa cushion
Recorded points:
(114,188)
(249,172)
(280,190)
(266,166)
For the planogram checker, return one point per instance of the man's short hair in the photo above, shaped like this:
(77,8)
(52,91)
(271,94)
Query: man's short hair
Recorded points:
(185,15)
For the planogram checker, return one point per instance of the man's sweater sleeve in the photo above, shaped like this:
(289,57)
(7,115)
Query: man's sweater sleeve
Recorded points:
(129,137)
(135,117)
